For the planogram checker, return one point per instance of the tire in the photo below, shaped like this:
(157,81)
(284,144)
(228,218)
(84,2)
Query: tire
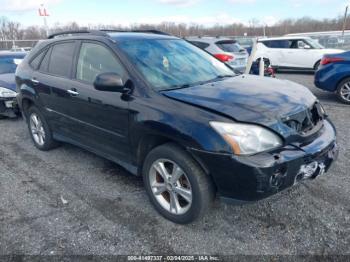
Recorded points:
(317,65)
(343,91)
(39,128)
(192,179)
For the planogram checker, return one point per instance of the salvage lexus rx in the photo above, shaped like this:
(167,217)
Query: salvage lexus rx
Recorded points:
(167,110)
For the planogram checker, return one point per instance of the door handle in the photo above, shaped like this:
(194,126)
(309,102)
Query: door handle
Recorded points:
(72,92)
(35,82)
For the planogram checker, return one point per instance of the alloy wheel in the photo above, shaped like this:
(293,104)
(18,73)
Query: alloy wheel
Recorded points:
(345,91)
(37,129)
(170,186)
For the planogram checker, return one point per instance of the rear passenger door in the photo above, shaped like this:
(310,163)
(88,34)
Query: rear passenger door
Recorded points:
(102,117)
(52,80)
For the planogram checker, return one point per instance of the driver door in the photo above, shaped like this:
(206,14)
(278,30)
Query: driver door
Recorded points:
(301,54)
(102,117)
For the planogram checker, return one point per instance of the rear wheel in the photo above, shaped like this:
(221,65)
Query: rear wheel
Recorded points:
(39,130)
(177,187)
(343,91)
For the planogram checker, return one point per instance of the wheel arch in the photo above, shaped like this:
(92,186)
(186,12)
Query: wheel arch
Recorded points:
(149,142)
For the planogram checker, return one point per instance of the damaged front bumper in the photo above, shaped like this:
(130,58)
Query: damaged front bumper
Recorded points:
(249,178)
(9,107)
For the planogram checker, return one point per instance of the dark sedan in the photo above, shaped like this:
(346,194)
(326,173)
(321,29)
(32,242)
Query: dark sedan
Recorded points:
(333,75)
(8,64)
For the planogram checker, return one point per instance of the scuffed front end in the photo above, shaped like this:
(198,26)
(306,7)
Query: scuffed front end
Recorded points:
(251,178)
(8,107)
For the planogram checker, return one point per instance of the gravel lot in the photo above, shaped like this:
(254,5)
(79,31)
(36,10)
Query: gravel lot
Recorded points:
(69,201)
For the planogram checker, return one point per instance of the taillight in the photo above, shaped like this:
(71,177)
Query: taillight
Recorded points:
(328,60)
(224,57)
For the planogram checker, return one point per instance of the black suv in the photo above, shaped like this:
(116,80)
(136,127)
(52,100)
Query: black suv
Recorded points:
(167,110)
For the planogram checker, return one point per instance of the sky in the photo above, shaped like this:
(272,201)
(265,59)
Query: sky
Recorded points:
(204,12)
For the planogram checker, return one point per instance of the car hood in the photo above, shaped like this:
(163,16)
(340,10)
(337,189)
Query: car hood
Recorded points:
(252,99)
(8,81)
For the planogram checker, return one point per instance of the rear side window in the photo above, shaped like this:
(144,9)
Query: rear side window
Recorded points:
(36,61)
(229,46)
(45,62)
(277,43)
(200,44)
(95,59)
(61,59)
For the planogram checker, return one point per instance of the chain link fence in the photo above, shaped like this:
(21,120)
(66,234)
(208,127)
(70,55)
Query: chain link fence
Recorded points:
(17,45)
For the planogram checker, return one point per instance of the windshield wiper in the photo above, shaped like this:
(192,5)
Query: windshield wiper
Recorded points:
(218,78)
(174,87)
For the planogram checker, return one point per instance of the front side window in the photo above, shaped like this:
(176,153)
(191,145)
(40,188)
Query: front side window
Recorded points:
(168,64)
(277,44)
(95,59)
(61,59)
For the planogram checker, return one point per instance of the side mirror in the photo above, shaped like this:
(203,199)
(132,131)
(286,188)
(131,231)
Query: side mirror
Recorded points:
(110,82)
(307,47)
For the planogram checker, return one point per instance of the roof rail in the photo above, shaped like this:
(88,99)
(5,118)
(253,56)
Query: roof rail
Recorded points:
(104,32)
(77,32)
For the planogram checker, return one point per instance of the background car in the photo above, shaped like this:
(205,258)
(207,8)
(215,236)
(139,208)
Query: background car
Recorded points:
(8,65)
(334,75)
(225,49)
(293,52)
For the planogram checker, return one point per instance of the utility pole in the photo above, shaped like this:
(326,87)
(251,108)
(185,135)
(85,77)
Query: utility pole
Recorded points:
(345,18)
(43,13)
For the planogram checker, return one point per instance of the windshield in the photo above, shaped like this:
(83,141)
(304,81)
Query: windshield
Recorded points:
(314,43)
(8,65)
(169,64)
(229,46)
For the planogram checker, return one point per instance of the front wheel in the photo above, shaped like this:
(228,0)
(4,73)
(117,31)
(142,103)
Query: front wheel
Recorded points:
(177,187)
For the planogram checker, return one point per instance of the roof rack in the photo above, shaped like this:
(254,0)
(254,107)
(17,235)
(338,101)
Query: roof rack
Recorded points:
(78,32)
(104,32)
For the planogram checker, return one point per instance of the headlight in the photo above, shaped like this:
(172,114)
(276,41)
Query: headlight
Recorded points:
(246,139)
(7,93)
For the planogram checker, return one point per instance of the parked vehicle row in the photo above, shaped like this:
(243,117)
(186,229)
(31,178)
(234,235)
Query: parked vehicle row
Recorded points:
(169,111)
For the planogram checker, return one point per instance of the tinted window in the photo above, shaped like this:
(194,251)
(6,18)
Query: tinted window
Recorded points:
(229,46)
(61,59)
(277,43)
(45,62)
(95,59)
(36,61)
(200,44)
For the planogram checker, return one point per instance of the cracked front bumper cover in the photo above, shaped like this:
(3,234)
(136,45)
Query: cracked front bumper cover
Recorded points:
(250,178)
(9,107)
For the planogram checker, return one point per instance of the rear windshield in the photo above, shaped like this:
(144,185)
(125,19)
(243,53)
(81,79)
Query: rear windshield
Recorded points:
(8,65)
(229,46)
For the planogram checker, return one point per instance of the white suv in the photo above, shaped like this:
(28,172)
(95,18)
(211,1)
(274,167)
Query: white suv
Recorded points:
(292,52)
